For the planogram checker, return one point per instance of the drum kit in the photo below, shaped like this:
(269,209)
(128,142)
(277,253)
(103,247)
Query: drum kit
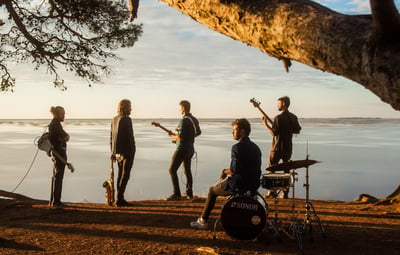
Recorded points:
(244,217)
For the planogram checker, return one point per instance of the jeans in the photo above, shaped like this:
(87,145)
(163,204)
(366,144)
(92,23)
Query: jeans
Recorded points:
(180,156)
(213,193)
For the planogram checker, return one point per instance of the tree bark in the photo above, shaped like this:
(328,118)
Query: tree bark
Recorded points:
(362,48)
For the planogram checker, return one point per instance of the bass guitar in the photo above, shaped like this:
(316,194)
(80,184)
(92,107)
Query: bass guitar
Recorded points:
(256,104)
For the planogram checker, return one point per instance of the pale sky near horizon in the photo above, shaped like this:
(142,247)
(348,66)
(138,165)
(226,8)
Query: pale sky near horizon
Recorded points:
(177,58)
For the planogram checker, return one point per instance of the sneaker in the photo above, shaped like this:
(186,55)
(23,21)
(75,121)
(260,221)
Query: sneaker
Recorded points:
(188,196)
(200,223)
(58,205)
(174,197)
(268,194)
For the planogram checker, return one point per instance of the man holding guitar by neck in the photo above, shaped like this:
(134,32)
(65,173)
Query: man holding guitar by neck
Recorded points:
(188,129)
(282,129)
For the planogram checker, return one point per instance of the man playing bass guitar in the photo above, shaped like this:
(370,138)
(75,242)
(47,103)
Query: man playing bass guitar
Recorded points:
(282,129)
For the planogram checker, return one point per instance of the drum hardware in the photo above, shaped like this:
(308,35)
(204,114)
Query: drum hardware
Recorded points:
(276,183)
(293,229)
(311,214)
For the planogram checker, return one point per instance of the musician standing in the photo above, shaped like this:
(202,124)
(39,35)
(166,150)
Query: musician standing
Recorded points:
(58,139)
(282,129)
(123,148)
(188,129)
(244,171)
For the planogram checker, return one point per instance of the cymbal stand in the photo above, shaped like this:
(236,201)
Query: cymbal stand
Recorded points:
(276,223)
(311,214)
(294,229)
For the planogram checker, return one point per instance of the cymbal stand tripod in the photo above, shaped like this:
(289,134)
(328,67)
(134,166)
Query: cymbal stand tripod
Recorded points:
(311,214)
(294,229)
(276,223)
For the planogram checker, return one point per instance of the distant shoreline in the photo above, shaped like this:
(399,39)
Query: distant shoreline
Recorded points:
(204,119)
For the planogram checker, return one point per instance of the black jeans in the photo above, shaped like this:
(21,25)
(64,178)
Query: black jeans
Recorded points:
(180,156)
(124,173)
(57,179)
(213,193)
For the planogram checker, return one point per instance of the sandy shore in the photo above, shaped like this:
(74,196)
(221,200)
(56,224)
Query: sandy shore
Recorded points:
(29,226)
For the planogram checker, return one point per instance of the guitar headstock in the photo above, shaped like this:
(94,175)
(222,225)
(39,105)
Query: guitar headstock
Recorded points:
(155,124)
(255,102)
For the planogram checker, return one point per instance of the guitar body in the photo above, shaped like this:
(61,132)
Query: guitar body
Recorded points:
(109,186)
(44,144)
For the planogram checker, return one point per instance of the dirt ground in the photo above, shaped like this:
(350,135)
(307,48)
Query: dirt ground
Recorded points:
(29,226)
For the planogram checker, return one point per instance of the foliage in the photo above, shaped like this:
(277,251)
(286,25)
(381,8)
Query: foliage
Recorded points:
(77,35)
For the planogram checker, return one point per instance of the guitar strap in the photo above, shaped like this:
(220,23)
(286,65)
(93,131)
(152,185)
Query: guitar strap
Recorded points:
(194,125)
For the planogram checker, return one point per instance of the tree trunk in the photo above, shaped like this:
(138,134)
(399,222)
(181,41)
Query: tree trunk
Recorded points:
(362,48)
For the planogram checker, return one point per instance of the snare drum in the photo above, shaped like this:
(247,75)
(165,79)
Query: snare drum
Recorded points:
(244,217)
(276,181)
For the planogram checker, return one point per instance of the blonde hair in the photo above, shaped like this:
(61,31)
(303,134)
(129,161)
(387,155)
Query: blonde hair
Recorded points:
(57,110)
(124,107)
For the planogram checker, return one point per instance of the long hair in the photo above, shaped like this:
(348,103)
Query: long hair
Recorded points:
(124,107)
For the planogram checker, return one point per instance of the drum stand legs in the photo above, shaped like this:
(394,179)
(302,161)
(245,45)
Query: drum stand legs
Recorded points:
(276,223)
(292,229)
(311,213)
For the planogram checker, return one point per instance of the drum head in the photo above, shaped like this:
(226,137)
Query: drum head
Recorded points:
(243,217)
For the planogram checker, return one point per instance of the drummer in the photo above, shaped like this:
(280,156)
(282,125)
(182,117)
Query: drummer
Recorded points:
(242,177)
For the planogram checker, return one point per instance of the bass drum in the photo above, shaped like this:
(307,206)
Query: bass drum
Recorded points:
(244,217)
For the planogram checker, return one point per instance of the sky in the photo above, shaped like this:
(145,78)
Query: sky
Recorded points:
(177,58)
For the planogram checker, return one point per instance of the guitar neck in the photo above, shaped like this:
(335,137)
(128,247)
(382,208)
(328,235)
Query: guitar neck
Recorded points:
(69,165)
(163,128)
(263,113)
(166,129)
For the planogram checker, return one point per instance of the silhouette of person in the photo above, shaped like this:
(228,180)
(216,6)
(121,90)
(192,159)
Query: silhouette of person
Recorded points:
(123,148)
(188,129)
(282,129)
(58,139)
(244,171)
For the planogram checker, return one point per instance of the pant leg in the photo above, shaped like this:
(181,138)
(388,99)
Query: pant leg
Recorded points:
(213,193)
(177,160)
(124,173)
(188,172)
(57,181)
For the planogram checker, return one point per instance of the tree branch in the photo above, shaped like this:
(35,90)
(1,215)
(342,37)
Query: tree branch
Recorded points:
(386,21)
(309,33)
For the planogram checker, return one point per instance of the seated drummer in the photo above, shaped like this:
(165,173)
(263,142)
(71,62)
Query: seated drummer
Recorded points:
(244,173)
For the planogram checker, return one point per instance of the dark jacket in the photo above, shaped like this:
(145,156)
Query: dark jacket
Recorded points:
(246,167)
(57,135)
(188,128)
(285,125)
(122,139)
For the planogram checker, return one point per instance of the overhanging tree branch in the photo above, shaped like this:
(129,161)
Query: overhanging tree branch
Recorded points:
(309,33)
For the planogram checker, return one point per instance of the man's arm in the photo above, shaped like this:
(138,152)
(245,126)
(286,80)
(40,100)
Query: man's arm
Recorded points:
(267,125)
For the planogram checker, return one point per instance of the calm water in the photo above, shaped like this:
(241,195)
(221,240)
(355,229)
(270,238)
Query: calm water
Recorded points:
(357,156)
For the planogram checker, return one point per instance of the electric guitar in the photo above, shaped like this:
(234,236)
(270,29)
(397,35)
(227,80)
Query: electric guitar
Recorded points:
(44,144)
(169,132)
(256,104)
(163,128)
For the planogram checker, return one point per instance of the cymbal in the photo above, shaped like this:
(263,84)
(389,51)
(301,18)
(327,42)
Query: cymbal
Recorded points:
(292,165)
